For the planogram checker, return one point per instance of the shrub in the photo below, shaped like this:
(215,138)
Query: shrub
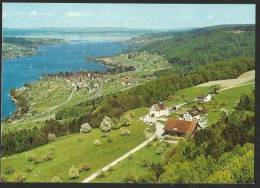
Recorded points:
(97,142)
(125,132)
(111,169)
(31,158)
(48,156)
(130,178)
(73,172)
(51,137)
(2,179)
(159,150)
(104,134)
(85,128)
(56,179)
(149,144)
(102,174)
(125,124)
(20,178)
(29,169)
(84,167)
(109,139)
(9,170)
(145,163)
(148,177)
(37,161)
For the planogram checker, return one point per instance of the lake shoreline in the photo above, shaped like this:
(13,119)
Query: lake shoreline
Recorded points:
(118,48)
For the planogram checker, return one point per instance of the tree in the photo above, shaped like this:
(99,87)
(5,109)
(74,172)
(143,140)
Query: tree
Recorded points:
(85,128)
(223,176)
(73,172)
(106,124)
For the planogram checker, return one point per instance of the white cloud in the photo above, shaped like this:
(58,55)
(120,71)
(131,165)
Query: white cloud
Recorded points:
(77,14)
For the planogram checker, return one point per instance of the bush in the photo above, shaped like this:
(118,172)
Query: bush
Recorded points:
(130,178)
(20,178)
(29,169)
(125,132)
(80,139)
(97,142)
(48,156)
(159,150)
(2,179)
(84,167)
(145,163)
(125,124)
(85,128)
(9,170)
(147,177)
(111,169)
(109,139)
(31,158)
(73,172)
(51,137)
(102,174)
(37,161)
(104,134)
(56,179)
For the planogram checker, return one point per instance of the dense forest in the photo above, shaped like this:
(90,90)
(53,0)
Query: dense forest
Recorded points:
(205,45)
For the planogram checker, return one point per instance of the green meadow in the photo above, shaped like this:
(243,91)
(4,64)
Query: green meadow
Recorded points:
(74,150)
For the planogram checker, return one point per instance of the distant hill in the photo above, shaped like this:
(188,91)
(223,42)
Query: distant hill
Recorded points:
(202,45)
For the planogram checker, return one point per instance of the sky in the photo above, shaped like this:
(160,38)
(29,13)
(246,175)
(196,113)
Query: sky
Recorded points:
(148,16)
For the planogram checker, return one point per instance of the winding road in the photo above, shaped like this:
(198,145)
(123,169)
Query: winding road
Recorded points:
(115,162)
(43,115)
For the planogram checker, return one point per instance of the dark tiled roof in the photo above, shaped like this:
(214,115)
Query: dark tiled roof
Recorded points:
(159,106)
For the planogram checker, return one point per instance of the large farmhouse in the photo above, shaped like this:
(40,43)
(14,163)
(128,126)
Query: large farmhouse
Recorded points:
(177,127)
(158,110)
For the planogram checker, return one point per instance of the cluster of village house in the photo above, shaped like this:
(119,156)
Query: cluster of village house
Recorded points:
(187,123)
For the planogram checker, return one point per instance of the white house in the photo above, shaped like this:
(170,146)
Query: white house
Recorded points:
(205,98)
(193,114)
(158,110)
(202,122)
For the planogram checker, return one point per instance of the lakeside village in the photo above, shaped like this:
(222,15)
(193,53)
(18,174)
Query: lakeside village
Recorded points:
(167,128)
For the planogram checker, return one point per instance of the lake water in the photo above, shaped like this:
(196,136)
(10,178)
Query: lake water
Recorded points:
(69,56)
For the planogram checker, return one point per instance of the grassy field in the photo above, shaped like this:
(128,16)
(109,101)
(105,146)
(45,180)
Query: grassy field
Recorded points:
(133,165)
(183,95)
(226,100)
(76,149)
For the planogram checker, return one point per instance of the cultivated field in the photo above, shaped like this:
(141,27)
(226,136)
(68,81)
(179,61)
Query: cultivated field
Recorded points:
(243,78)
